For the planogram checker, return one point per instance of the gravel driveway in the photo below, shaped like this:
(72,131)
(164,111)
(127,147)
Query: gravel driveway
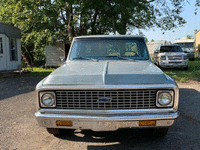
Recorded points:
(19,129)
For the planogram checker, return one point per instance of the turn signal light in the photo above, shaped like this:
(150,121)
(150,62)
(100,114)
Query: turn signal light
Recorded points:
(63,123)
(147,123)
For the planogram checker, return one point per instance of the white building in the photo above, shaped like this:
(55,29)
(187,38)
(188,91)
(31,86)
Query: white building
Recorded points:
(10,47)
(53,53)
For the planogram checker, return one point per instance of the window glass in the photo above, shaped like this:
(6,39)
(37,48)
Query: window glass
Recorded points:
(13,49)
(170,49)
(105,49)
(1,45)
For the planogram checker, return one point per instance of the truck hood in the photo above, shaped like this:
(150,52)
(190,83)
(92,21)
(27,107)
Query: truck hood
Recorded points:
(106,73)
(172,54)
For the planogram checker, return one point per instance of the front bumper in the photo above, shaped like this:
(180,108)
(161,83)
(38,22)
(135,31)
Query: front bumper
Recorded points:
(174,64)
(105,123)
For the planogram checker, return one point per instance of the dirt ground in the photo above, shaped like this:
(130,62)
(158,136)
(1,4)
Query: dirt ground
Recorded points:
(20,131)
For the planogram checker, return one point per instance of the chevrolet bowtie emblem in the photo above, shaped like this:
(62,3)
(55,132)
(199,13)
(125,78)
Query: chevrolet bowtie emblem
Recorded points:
(104,99)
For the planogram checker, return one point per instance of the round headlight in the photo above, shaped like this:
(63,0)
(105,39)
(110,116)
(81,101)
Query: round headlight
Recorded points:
(163,58)
(164,99)
(48,100)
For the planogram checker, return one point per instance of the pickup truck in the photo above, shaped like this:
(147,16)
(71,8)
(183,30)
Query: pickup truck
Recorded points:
(108,82)
(171,56)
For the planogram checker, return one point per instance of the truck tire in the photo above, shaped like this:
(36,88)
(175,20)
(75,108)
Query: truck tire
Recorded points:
(58,131)
(192,59)
(160,132)
(185,68)
(55,131)
(158,64)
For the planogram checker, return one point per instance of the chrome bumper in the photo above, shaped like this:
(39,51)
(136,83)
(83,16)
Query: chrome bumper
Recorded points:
(105,123)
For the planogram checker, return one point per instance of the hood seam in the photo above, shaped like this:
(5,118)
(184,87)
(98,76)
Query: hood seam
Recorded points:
(105,72)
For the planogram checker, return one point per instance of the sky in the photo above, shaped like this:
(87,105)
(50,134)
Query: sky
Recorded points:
(193,22)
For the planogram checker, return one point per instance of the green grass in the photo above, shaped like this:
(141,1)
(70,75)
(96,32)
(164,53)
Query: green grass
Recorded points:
(193,73)
(38,72)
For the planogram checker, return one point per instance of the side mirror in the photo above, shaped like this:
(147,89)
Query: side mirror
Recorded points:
(62,59)
(154,61)
(156,52)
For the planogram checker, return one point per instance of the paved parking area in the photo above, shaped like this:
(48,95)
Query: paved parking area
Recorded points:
(19,129)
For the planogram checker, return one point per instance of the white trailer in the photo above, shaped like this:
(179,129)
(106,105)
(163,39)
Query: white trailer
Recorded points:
(53,53)
(187,46)
(10,48)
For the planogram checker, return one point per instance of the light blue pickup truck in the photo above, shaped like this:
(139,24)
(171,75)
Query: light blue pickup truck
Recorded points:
(107,83)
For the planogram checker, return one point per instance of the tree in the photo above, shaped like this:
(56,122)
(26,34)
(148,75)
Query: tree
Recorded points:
(152,40)
(146,40)
(195,32)
(189,37)
(42,22)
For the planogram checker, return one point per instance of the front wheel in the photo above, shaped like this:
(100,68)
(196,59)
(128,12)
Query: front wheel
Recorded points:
(57,131)
(185,68)
(158,65)
(54,131)
(160,132)
(192,59)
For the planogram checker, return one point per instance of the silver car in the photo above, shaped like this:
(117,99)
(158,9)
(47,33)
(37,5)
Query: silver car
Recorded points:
(170,56)
(107,83)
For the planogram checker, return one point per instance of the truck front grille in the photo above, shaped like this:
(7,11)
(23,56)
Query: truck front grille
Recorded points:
(174,57)
(106,100)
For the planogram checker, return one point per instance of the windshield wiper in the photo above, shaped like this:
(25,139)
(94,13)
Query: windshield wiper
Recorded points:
(124,58)
(86,58)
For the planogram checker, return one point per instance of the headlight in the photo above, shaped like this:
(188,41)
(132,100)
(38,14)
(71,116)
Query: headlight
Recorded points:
(163,57)
(185,57)
(164,99)
(47,99)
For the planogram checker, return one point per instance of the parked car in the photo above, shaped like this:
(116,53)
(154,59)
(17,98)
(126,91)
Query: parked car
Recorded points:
(170,56)
(107,83)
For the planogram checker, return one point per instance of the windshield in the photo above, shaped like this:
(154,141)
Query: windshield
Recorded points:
(125,49)
(170,49)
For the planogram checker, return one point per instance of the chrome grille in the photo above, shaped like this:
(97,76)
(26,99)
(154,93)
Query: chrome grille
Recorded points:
(174,57)
(175,62)
(120,99)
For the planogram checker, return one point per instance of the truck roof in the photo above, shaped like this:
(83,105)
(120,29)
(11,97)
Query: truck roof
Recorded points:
(108,36)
